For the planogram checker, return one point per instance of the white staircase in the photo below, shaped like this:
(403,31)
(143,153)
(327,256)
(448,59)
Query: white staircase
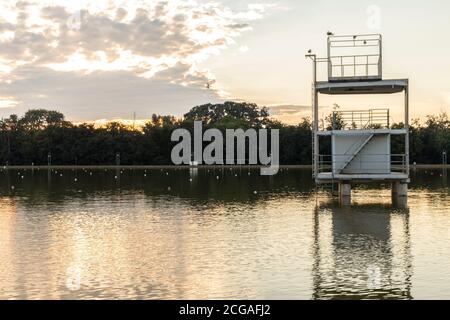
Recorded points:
(356,151)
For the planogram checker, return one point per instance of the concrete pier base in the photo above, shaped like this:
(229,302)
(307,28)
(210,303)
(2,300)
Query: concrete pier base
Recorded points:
(399,194)
(399,189)
(345,193)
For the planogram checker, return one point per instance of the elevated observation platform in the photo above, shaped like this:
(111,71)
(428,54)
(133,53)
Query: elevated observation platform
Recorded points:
(328,177)
(361,132)
(362,87)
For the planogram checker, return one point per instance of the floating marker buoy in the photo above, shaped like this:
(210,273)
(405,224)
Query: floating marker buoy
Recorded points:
(75,179)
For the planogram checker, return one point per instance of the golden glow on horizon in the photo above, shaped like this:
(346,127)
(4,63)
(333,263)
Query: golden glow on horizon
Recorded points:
(8,102)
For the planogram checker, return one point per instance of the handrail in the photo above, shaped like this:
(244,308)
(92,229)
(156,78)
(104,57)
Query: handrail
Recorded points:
(355,55)
(364,47)
(337,63)
(361,119)
(397,162)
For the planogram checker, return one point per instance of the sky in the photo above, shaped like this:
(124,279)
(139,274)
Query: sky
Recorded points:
(113,59)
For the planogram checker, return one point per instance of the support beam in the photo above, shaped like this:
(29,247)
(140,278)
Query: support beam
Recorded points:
(407,128)
(315,120)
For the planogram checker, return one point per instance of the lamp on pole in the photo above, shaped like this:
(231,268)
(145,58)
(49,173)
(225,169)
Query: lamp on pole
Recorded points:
(49,159)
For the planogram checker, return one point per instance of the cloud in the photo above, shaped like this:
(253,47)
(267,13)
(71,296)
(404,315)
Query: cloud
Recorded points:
(293,114)
(53,51)
(288,109)
(289,113)
(117,94)
(243,49)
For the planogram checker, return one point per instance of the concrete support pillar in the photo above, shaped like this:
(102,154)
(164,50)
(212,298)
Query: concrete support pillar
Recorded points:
(400,194)
(345,193)
(400,189)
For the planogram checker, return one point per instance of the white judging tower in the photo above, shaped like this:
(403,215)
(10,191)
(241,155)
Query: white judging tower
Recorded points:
(360,139)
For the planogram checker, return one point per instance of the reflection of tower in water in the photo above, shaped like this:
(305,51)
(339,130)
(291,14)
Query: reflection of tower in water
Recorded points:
(361,251)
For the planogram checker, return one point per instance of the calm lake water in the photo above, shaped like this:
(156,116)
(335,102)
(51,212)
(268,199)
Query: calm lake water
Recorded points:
(204,234)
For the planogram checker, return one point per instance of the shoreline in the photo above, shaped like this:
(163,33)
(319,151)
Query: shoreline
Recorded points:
(98,167)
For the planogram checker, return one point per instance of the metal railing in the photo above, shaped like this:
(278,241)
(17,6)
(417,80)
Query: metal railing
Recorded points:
(358,66)
(354,57)
(361,119)
(364,164)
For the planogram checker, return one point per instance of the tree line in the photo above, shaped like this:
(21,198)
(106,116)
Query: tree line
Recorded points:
(42,136)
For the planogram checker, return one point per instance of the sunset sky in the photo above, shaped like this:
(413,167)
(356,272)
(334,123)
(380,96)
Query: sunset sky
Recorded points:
(107,59)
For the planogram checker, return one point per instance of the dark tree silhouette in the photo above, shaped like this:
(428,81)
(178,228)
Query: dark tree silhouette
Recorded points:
(30,138)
